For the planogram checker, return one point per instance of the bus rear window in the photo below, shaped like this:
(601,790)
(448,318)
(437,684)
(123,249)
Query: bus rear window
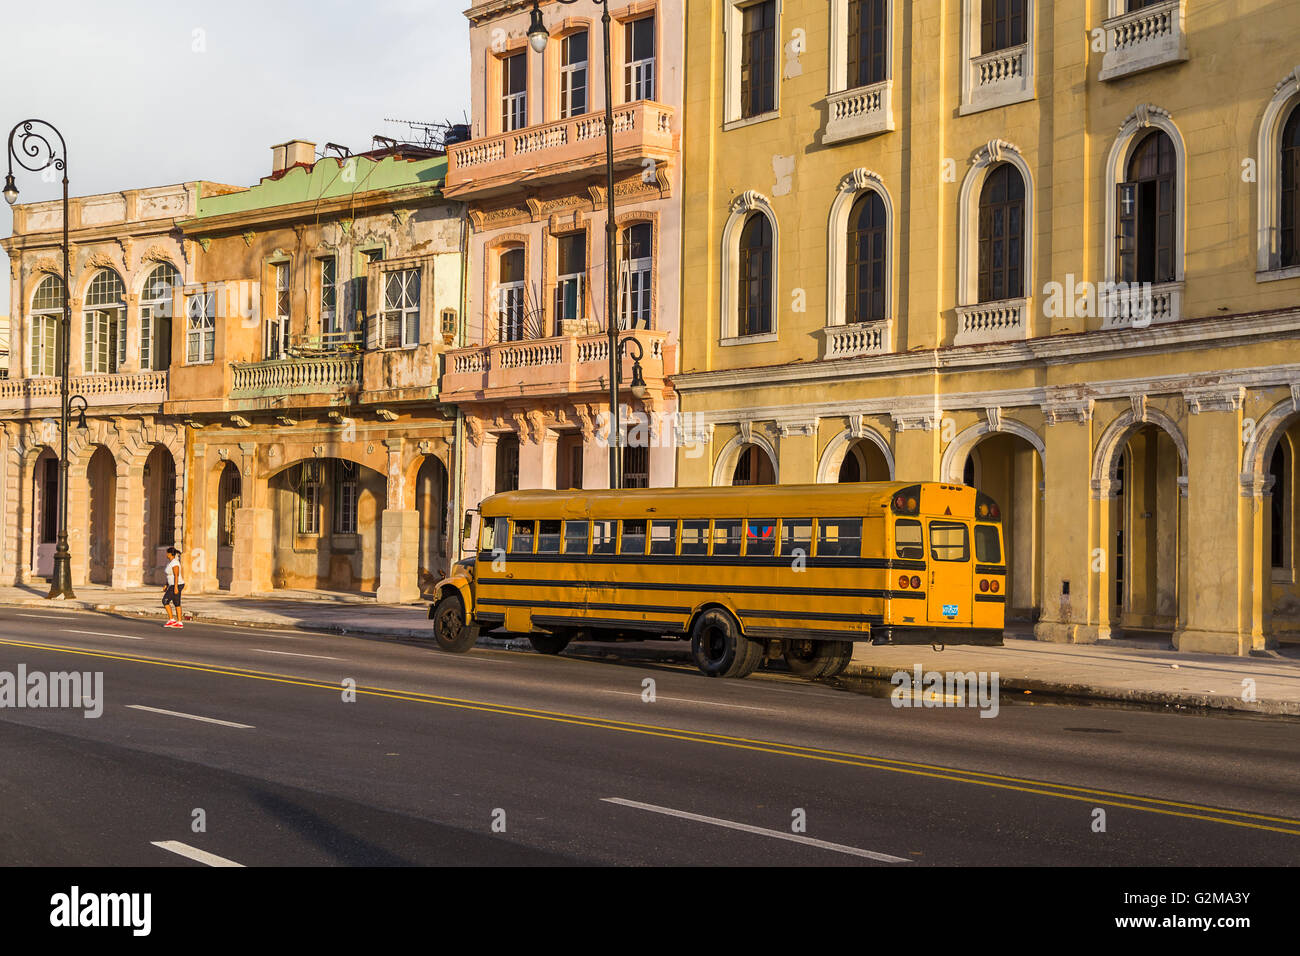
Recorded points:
(949,541)
(575,537)
(726,537)
(988,549)
(695,537)
(521,542)
(602,537)
(907,540)
(663,537)
(796,535)
(760,537)
(548,537)
(633,537)
(839,537)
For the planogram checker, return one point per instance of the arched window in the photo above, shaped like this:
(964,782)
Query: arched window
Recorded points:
(755,316)
(1147,213)
(1280,525)
(638,263)
(510,296)
(1002,235)
(866,260)
(156,307)
(1290,218)
(753,467)
(46,327)
(105,323)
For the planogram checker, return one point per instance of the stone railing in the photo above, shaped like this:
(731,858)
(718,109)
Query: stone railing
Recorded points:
(998,78)
(1144,39)
(555,147)
(1140,305)
(988,322)
(118,388)
(859,112)
(552,366)
(302,376)
(1000,66)
(856,338)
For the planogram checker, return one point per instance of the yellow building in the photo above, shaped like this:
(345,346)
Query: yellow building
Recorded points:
(1049,249)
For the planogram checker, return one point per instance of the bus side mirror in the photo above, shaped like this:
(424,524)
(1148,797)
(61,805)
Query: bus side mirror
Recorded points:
(469,525)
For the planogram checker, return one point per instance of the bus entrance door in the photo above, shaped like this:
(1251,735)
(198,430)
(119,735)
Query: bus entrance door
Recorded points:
(949,595)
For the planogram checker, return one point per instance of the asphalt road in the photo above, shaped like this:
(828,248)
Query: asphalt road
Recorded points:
(503,757)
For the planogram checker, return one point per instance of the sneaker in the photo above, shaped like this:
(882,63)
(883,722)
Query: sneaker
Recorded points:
(171,624)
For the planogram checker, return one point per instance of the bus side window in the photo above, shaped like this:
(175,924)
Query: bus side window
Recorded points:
(663,537)
(695,537)
(521,542)
(548,537)
(726,537)
(633,536)
(988,550)
(575,537)
(602,536)
(492,534)
(907,540)
(839,537)
(760,537)
(949,541)
(796,535)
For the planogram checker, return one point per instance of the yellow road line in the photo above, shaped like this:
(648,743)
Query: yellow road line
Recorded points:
(1109,798)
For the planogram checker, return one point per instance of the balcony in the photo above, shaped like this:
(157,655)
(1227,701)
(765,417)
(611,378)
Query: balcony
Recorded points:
(991,322)
(119,388)
(1143,40)
(565,149)
(1141,305)
(860,112)
(998,79)
(854,339)
(296,376)
(564,365)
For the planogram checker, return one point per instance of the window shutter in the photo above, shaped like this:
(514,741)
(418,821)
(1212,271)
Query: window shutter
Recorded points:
(1126,222)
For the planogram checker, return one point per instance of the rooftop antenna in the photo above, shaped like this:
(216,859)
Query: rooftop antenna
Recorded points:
(430,135)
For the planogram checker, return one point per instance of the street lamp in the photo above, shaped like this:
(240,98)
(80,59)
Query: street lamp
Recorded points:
(537,39)
(35,151)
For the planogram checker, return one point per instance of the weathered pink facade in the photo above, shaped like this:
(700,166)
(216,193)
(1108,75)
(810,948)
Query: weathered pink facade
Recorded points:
(532,379)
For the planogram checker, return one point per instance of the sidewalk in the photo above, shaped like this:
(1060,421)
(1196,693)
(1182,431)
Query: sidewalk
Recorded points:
(1125,671)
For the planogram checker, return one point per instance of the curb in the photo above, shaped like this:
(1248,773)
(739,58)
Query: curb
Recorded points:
(1065,689)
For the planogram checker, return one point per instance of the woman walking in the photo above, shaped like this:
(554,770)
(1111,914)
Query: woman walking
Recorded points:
(175,584)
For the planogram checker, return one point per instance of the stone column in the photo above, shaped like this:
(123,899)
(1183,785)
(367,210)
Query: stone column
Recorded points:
(254,551)
(1071,588)
(79,521)
(537,457)
(399,556)
(131,539)
(201,519)
(1215,548)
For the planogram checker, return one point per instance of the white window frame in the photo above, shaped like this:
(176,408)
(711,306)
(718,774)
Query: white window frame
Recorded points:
(44,355)
(733,25)
(850,189)
(636,279)
(275,338)
(329,299)
(992,154)
(976,98)
(569,75)
(150,308)
(574,280)
(403,311)
(741,208)
(1286,97)
(104,328)
(638,75)
(512,298)
(514,106)
(204,332)
(347,496)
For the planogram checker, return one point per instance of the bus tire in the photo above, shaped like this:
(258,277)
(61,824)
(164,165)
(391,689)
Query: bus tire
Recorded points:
(549,643)
(450,630)
(719,649)
(813,660)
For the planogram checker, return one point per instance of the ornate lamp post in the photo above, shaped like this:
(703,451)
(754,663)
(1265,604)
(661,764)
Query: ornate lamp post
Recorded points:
(35,151)
(537,39)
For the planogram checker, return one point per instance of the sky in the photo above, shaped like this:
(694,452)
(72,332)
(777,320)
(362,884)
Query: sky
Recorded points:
(150,93)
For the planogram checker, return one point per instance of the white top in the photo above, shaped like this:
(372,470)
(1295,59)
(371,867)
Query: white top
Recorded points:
(174,572)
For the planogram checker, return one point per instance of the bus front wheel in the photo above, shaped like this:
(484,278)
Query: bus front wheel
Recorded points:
(450,629)
(815,659)
(720,650)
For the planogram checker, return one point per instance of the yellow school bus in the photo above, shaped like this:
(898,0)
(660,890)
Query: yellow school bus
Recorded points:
(796,571)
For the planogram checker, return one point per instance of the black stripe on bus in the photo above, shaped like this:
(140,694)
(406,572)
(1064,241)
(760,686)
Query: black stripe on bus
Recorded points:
(990,569)
(581,606)
(611,623)
(876,593)
(812,616)
(992,598)
(752,560)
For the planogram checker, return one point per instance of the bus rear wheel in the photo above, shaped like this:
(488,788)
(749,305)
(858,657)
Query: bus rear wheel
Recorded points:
(549,643)
(450,629)
(720,650)
(817,659)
